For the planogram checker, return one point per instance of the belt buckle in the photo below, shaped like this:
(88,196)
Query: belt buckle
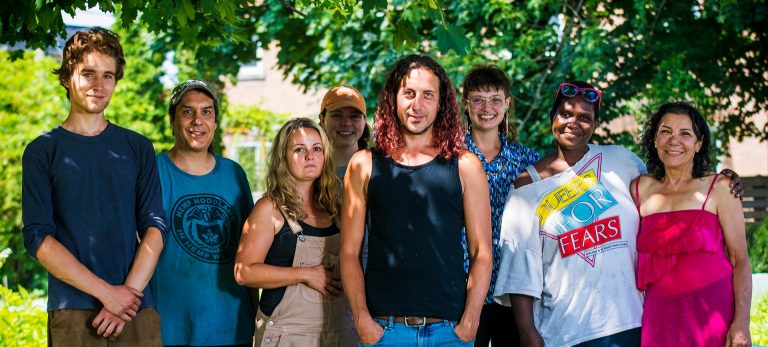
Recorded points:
(422,324)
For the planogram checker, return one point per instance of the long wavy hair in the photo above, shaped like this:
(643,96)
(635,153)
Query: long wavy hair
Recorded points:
(447,131)
(702,160)
(281,184)
(489,78)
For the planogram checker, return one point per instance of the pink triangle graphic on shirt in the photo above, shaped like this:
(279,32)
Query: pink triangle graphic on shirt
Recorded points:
(591,260)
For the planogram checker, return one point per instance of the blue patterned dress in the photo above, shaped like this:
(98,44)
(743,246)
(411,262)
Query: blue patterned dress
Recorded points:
(501,173)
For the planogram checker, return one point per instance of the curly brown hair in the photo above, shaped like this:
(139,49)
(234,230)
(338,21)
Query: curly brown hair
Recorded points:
(95,39)
(447,131)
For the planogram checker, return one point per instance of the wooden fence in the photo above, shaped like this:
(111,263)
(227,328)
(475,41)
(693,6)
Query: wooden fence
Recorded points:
(755,198)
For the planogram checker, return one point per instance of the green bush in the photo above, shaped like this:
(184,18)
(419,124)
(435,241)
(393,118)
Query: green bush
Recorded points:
(757,241)
(758,326)
(22,318)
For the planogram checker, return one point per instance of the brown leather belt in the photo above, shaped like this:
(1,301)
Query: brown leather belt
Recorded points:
(412,321)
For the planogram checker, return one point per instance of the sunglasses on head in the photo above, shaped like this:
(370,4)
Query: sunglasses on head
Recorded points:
(589,94)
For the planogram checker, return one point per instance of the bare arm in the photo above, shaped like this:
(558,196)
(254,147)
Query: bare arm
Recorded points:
(477,213)
(352,230)
(145,260)
(144,263)
(731,216)
(258,235)
(523,179)
(122,301)
(522,309)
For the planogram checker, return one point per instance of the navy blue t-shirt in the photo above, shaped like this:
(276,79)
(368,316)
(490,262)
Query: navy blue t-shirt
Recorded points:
(95,195)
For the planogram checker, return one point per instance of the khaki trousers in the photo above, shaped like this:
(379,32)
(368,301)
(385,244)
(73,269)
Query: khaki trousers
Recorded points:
(68,327)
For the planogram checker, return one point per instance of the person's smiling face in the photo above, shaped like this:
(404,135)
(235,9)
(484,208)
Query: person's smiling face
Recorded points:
(486,109)
(574,123)
(92,83)
(676,142)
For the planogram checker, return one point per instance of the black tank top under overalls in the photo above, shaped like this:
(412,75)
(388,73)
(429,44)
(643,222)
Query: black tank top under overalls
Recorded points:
(281,254)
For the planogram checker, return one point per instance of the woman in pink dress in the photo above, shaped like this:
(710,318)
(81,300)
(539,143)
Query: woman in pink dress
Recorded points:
(692,251)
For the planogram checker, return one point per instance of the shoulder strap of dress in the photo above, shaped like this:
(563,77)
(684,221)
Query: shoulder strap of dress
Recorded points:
(292,224)
(637,193)
(710,191)
(533,173)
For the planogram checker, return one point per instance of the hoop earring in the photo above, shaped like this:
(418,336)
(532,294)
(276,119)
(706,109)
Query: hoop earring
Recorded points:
(506,122)
(469,122)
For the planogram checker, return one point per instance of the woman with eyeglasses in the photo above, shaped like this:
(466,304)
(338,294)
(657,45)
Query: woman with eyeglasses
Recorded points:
(491,136)
(569,233)
(290,245)
(692,249)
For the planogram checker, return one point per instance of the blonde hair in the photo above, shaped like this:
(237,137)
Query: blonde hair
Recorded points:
(281,184)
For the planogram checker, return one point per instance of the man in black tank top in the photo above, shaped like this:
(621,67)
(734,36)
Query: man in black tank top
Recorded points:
(416,191)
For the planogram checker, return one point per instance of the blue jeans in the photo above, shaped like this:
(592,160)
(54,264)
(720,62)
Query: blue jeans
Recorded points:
(434,334)
(626,338)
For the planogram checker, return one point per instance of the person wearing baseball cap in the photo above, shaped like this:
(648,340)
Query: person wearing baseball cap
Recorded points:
(203,90)
(342,116)
(207,199)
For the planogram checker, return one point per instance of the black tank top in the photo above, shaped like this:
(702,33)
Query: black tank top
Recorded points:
(415,256)
(281,254)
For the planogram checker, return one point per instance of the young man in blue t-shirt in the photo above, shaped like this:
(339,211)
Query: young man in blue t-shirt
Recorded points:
(92,210)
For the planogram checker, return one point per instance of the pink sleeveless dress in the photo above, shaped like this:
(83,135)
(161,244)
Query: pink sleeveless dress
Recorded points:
(687,278)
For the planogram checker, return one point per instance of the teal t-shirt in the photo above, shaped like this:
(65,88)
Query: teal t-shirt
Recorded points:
(195,290)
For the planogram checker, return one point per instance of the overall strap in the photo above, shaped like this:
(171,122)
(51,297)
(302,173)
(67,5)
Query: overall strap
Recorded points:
(292,224)
(533,173)
(710,191)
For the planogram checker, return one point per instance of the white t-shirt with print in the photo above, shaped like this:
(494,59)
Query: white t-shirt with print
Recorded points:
(569,241)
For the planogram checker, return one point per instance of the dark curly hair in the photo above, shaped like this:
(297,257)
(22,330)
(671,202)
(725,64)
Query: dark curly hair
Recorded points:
(560,99)
(362,142)
(702,160)
(447,131)
(95,39)
(488,78)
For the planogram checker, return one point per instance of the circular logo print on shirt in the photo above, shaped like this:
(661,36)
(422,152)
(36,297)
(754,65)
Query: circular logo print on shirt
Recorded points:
(204,226)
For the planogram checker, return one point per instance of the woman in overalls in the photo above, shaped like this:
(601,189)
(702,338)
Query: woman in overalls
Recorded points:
(290,245)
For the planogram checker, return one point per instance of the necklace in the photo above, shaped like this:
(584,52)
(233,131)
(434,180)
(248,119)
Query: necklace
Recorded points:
(500,167)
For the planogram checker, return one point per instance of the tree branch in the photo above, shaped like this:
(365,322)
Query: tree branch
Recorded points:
(656,20)
(292,8)
(553,61)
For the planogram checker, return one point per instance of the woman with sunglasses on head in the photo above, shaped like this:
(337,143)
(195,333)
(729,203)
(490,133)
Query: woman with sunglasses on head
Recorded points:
(290,245)
(569,236)
(692,249)
(486,104)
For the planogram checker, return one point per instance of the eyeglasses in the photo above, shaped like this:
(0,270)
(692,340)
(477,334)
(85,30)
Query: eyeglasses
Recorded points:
(479,101)
(589,94)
